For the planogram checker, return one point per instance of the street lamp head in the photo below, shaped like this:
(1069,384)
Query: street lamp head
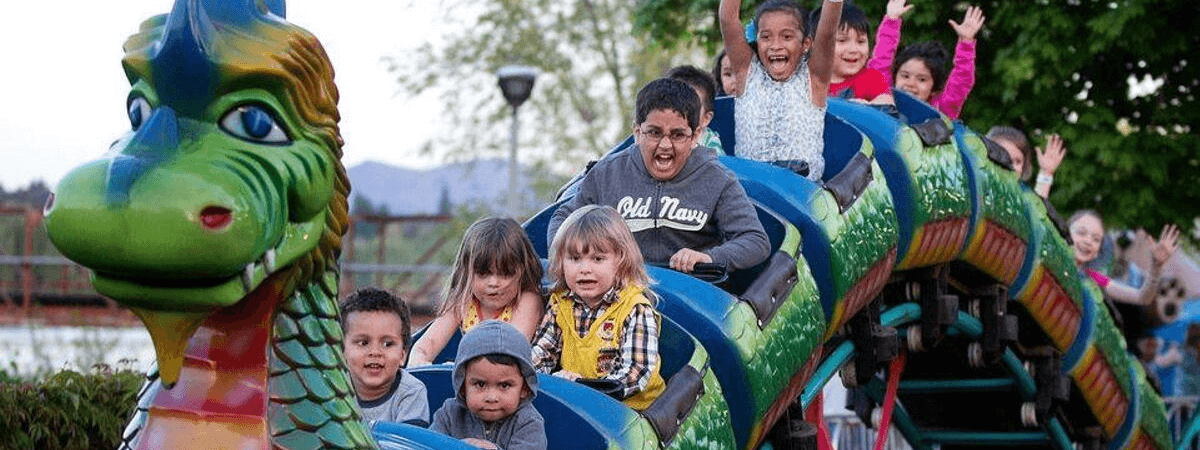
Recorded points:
(516,82)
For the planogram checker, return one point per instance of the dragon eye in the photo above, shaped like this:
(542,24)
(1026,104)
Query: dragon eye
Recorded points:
(254,123)
(139,111)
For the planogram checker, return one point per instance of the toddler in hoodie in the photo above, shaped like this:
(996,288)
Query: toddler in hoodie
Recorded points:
(494,385)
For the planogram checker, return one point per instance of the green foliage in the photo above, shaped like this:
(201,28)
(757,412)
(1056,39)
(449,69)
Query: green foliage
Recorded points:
(1058,67)
(70,410)
(591,64)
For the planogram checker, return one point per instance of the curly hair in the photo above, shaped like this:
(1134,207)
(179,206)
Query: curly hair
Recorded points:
(371,299)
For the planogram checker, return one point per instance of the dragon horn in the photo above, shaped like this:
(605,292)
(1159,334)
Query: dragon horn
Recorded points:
(187,48)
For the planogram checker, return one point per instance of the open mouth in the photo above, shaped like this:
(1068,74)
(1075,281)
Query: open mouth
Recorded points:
(663,161)
(777,63)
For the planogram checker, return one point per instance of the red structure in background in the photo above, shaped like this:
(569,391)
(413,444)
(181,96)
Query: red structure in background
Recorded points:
(418,282)
(42,286)
(38,285)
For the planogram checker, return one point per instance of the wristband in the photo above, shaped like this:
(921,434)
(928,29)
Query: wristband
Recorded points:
(1045,179)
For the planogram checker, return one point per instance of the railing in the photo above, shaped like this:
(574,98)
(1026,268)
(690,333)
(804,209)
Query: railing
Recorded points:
(1180,410)
(417,280)
(35,279)
(847,432)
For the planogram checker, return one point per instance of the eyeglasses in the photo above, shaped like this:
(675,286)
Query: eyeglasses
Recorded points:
(676,136)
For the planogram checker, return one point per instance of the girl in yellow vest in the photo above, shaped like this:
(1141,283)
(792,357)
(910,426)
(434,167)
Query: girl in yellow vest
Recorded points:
(598,322)
(497,275)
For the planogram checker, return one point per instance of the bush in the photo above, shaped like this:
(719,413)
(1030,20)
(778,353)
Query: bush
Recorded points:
(70,410)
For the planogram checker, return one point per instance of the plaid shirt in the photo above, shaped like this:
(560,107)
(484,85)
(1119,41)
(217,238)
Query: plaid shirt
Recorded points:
(639,341)
(709,138)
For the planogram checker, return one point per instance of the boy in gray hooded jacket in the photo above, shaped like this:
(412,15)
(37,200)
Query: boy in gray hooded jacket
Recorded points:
(494,385)
(681,204)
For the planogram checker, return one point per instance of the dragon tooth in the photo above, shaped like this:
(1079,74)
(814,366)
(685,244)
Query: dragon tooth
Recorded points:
(248,277)
(269,260)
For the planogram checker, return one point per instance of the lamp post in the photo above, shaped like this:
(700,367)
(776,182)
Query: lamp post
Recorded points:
(516,82)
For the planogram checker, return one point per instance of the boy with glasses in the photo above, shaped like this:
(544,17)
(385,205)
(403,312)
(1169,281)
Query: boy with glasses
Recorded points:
(682,205)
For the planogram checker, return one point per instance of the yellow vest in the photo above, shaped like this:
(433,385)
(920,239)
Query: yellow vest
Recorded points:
(582,355)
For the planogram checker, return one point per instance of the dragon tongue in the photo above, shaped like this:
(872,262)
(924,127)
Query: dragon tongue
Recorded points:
(170,331)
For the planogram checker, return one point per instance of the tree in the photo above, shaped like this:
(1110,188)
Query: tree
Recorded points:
(1059,67)
(591,65)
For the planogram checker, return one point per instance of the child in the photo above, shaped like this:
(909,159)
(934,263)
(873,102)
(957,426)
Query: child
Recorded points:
(780,109)
(598,323)
(1017,146)
(497,275)
(851,78)
(705,87)
(494,385)
(1086,233)
(683,206)
(723,74)
(920,69)
(376,325)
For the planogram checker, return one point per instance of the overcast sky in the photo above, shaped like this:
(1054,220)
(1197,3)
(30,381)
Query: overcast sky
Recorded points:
(64,91)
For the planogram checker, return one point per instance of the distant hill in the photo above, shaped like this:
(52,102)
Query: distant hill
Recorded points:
(413,191)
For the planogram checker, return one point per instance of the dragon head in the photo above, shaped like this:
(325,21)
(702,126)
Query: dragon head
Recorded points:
(230,172)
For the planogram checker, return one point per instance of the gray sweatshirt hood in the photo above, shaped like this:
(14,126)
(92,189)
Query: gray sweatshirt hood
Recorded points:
(494,337)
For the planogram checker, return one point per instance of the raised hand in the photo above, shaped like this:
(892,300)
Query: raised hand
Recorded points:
(1166,245)
(897,8)
(972,22)
(1049,159)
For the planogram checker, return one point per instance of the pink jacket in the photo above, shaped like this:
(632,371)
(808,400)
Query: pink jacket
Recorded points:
(958,84)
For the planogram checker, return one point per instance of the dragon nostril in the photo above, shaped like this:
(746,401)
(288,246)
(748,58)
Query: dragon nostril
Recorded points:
(215,217)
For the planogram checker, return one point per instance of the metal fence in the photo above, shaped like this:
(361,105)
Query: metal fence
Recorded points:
(1179,411)
(404,254)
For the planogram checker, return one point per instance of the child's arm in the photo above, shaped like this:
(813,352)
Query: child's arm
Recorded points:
(887,38)
(587,195)
(1162,250)
(441,421)
(414,401)
(734,36)
(820,64)
(547,343)
(1048,162)
(639,351)
(529,432)
(745,242)
(434,340)
(527,314)
(962,76)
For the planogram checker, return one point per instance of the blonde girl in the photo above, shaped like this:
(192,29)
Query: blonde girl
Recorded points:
(497,275)
(598,322)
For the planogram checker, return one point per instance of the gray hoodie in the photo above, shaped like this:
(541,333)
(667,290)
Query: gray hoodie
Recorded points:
(703,208)
(525,428)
